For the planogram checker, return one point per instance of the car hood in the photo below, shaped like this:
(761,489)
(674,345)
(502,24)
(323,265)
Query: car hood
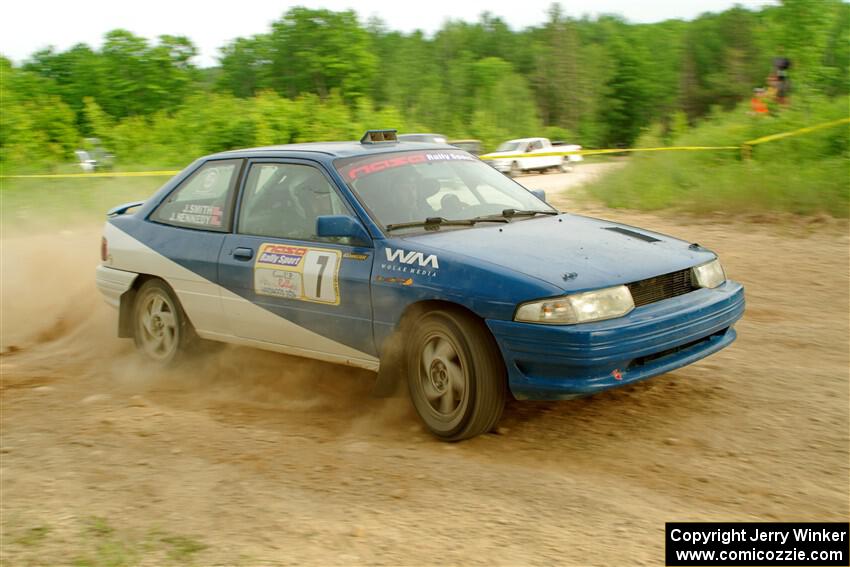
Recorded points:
(572,252)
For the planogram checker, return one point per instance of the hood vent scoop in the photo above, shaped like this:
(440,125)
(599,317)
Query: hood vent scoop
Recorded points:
(632,233)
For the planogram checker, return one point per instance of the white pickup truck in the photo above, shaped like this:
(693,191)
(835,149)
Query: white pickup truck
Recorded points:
(521,156)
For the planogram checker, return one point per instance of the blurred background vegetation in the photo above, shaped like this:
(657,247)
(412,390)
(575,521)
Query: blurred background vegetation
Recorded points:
(807,174)
(322,75)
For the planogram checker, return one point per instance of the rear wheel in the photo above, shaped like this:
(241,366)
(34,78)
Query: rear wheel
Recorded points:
(515,170)
(161,329)
(456,376)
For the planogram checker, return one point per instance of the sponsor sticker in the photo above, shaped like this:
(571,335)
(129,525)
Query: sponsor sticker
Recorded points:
(449,156)
(359,171)
(395,280)
(279,283)
(411,263)
(210,180)
(302,273)
(375,164)
(278,255)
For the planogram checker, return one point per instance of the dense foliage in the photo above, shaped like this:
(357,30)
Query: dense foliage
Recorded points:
(807,174)
(318,74)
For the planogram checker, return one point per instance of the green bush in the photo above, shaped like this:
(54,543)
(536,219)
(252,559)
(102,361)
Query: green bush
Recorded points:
(805,174)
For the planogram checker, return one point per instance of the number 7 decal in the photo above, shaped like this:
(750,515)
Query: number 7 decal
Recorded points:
(323,263)
(321,276)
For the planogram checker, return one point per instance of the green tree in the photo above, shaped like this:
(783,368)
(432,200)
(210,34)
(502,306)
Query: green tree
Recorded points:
(317,51)
(36,126)
(321,74)
(245,66)
(624,108)
(98,124)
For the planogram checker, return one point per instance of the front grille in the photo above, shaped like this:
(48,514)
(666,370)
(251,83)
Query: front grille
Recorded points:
(655,289)
(640,361)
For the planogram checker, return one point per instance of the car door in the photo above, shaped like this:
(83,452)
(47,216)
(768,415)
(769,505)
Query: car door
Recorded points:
(287,286)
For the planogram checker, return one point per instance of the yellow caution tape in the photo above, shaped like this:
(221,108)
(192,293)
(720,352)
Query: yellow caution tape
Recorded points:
(610,151)
(805,130)
(101,174)
(745,147)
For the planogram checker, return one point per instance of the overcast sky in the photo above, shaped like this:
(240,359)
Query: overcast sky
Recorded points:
(29,25)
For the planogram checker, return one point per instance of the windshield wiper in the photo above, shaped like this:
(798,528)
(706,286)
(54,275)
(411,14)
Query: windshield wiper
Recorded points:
(508,213)
(432,223)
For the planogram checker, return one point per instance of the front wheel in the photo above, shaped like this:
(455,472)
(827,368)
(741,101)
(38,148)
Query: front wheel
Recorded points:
(161,329)
(456,376)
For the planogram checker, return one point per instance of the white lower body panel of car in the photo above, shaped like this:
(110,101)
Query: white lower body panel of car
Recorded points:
(113,283)
(203,301)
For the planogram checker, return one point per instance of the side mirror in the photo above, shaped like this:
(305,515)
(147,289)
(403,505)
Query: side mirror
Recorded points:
(342,226)
(539,193)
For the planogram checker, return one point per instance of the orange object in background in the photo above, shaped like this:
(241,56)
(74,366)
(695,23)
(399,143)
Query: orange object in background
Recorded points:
(758,104)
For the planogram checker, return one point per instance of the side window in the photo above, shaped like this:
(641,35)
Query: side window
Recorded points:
(202,201)
(283,200)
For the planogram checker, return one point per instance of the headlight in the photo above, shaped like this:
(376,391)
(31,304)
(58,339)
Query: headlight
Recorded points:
(579,307)
(709,275)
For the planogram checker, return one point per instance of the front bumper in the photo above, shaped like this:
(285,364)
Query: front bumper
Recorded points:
(558,362)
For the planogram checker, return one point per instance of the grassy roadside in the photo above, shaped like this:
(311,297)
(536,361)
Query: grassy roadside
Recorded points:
(803,175)
(52,204)
(97,542)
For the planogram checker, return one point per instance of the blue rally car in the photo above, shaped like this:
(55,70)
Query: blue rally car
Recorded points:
(417,261)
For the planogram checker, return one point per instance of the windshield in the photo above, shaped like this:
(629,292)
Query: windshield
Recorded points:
(405,187)
(471,147)
(508,147)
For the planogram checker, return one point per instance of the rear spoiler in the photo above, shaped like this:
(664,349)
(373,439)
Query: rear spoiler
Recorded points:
(121,209)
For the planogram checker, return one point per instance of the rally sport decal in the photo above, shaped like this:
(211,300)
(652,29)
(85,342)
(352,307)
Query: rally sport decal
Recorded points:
(298,272)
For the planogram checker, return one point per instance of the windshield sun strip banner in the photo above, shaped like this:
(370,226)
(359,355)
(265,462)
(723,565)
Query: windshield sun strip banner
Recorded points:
(356,168)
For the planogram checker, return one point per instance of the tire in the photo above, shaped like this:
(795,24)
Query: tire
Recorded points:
(161,330)
(565,166)
(515,170)
(456,377)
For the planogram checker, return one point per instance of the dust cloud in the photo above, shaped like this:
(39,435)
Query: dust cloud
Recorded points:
(55,322)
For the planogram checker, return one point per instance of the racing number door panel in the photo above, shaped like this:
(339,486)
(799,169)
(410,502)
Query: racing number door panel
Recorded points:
(289,287)
(318,294)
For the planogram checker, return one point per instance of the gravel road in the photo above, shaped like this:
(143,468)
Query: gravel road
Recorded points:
(252,458)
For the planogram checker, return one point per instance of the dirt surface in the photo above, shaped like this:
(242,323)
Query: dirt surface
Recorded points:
(252,458)
(582,174)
